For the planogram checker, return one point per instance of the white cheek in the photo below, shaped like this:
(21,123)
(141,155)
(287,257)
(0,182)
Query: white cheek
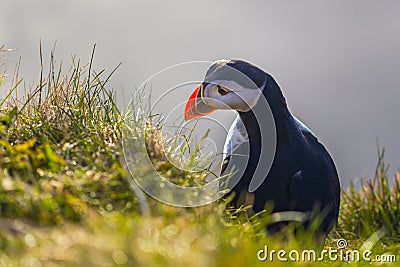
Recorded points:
(249,98)
(242,100)
(214,99)
(219,102)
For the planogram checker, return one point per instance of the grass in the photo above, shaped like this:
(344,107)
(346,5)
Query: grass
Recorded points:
(65,199)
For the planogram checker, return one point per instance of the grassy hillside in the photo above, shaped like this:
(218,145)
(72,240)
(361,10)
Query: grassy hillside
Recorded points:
(65,199)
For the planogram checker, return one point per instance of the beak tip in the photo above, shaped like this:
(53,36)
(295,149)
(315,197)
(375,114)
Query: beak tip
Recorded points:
(188,115)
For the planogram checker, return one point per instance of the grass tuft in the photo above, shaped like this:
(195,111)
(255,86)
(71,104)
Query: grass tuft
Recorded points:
(375,207)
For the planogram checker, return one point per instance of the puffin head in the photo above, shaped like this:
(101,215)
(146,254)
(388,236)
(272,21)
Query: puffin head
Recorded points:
(228,84)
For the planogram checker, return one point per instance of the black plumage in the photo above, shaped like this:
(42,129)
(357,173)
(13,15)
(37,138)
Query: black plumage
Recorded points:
(303,176)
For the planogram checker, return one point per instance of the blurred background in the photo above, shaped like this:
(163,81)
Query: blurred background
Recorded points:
(337,62)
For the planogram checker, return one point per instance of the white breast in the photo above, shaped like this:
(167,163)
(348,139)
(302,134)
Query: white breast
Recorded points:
(237,135)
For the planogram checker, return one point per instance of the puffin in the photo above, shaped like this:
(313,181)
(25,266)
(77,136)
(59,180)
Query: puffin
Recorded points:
(300,177)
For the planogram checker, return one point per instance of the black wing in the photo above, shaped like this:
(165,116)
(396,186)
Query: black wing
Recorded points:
(317,182)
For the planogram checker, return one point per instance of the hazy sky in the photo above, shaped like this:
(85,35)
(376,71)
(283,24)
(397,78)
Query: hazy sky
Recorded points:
(337,62)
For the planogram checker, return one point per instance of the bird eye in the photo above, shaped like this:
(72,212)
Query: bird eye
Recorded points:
(221,90)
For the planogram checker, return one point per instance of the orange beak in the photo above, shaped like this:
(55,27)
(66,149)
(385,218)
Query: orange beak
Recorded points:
(195,106)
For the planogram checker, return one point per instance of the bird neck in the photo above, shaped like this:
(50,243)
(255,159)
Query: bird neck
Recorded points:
(284,123)
(282,116)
